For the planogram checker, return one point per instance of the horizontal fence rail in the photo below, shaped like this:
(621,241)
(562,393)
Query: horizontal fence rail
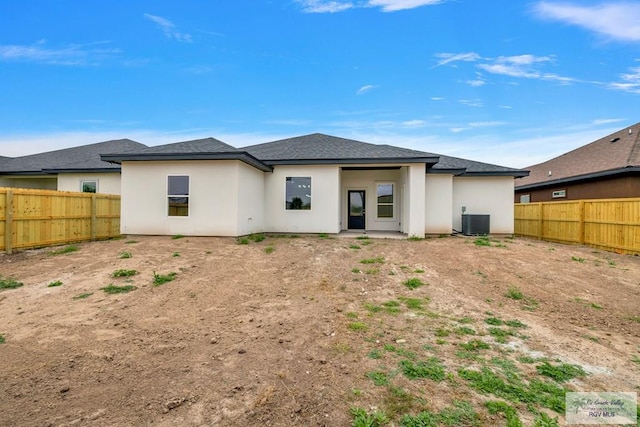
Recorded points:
(37,218)
(609,224)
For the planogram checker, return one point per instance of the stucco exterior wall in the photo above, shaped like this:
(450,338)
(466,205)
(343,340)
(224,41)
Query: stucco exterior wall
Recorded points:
(213,198)
(324,215)
(250,200)
(108,183)
(485,195)
(368,180)
(439,203)
(415,189)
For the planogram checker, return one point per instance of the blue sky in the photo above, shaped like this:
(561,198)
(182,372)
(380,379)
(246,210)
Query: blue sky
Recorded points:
(506,82)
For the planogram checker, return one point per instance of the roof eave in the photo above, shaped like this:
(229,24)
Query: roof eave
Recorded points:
(572,179)
(359,161)
(137,157)
(514,173)
(83,170)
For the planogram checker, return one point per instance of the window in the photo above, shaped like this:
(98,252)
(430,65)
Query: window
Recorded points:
(298,193)
(525,198)
(384,195)
(178,195)
(559,193)
(89,186)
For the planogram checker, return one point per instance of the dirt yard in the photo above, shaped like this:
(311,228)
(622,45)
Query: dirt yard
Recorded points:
(300,331)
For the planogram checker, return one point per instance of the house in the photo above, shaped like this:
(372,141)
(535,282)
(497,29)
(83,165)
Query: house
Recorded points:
(606,168)
(309,184)
(69,169)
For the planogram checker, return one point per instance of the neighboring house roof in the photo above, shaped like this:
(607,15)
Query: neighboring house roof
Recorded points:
(614,154)
(197,149)
(311,149)
(75,159)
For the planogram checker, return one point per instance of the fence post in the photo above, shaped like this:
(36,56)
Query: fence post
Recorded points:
(94,216)
(540,220)
(8,223)
(581,222)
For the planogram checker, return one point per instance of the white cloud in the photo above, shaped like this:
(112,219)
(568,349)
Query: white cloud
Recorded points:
(168,28)
(606,121)
(486,124)
(617,20)
(437,98)
(333,6)
(414,123)
(630,82)
(448,58)
(365,89)
(457,130)
(73,54)
(471,102)
(395,5)
(506,107)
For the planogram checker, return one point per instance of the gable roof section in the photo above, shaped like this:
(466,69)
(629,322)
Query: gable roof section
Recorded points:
(197,149)
(613,154)
(74,159)
(464,167)
(318,148)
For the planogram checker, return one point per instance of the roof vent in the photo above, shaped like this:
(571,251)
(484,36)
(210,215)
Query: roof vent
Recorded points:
(630,131)
(612,140)
(550,173)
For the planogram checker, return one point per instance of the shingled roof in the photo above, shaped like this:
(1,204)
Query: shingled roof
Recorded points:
(75,159)
(613,154)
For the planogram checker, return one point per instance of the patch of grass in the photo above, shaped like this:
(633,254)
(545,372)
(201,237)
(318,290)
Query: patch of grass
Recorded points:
(379,378)
(500,335)
(354,247)
(465,320)
(372,308)
(378,260)
(269,249)
(635,319)
(397,401)
(372,271)
(351,315)
(482,241)
(635,359)
(375,354)
(177,236)
(362,238)
(418,271)
(356,270)
(259,237)
(357,326)
(493,321)
(242,241)
(390,348)
(514,293)
(414,283)
(560,373)
(465,330)
(65,250)
(526,359)
(82,296)
(362,418)
(112,289)
(412,303)
(391,307)
(475,345)
(124,255)
(175,254)
(161,279)
(124,273)
(442,332)
(611,263)
(544,420)
(129,242)
(54,284)
(509,412)
(596,306)
(9,283)
(431,368)
(2,339)
(415,238)
(461,414)
(577,259)
(323,235)
(515,323)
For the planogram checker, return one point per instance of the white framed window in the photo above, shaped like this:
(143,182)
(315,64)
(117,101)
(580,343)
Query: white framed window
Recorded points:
(385,200)
(298,193)
(89,186)
(525,198)
(559,193)
(178,195)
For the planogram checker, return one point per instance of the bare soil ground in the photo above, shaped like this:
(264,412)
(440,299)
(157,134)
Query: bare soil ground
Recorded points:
(250,336)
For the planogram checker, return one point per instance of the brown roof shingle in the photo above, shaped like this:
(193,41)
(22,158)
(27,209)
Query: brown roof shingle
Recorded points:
(612,152)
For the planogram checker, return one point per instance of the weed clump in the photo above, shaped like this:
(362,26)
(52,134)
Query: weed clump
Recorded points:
(9,283)
(414,283)
(161,279)
(112,289)
(65,250)
(124,273)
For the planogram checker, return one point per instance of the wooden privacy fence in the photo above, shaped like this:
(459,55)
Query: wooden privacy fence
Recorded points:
(610,224)
(36,218)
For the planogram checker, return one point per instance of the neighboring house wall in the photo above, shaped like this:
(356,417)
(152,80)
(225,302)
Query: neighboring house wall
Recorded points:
(485,195)
(368,180)
(324,215)
(622,187)
(108,183)
(35,182)
(250,200)
(439,203)
(213,198)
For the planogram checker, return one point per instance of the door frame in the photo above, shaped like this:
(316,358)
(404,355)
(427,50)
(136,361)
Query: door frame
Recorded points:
(364,207)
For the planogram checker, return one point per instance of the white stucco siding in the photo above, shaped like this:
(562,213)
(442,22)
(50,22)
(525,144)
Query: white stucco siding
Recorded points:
(35,182)
(250,200)
(324,215)
(108,183)
(415,192)
(213,198)
(439,204)
(368,181)
(485,195)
